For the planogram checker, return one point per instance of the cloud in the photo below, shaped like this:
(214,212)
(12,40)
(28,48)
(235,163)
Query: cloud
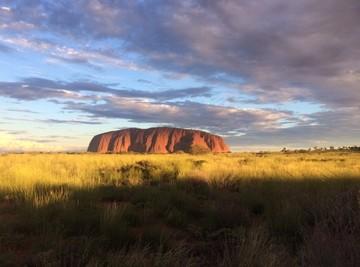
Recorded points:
(5,9)
(57,52)
(282,50)
(33,89)
(323,129)
(219,119)
(247,126)
(61,137)
(16,26)
(57,121)
(5,48)
(11,143)
(169,107)
(22,110)
(13,132)
(144,81)
(52,121)
(22,141)
(38,88)
(274,52)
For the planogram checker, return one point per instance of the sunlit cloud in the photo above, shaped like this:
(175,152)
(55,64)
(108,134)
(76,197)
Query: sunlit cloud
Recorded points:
(10,143)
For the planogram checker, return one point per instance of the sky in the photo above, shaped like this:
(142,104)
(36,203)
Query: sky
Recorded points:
(263,74)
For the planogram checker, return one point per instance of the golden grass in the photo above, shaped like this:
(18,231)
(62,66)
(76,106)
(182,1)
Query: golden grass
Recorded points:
(239,209)
(22,171)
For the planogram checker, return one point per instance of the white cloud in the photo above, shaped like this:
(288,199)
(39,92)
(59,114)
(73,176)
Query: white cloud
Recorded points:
(11,143)
(64,53)
(18,26)
(5,8)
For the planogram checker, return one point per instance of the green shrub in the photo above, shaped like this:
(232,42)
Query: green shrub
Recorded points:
(197,149)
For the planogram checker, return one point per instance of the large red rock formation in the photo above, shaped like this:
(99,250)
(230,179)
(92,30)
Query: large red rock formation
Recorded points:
(156,140)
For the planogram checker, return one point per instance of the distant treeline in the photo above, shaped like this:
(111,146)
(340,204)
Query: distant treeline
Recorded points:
(322,149)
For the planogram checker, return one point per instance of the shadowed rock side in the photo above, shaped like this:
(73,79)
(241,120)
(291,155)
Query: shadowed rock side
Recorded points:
(156,140)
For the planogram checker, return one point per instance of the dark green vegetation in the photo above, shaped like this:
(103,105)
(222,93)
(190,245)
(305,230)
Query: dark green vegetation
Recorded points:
(186,223)
(163,220)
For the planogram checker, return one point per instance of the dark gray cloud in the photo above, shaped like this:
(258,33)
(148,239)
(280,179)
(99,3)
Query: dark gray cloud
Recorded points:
(57,121)
(326,128)
(143,106)
(219,119)
(38,88)
(283,50)
(31,89)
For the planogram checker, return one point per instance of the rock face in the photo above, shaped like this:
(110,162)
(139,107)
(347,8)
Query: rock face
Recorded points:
(156,140)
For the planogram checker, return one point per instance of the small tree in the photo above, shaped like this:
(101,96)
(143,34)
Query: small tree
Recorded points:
(198,149)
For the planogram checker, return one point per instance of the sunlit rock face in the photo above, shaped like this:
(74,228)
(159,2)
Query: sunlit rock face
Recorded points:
(156,140)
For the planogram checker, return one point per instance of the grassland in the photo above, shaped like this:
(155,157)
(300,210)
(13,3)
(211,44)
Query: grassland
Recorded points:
(240,209)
